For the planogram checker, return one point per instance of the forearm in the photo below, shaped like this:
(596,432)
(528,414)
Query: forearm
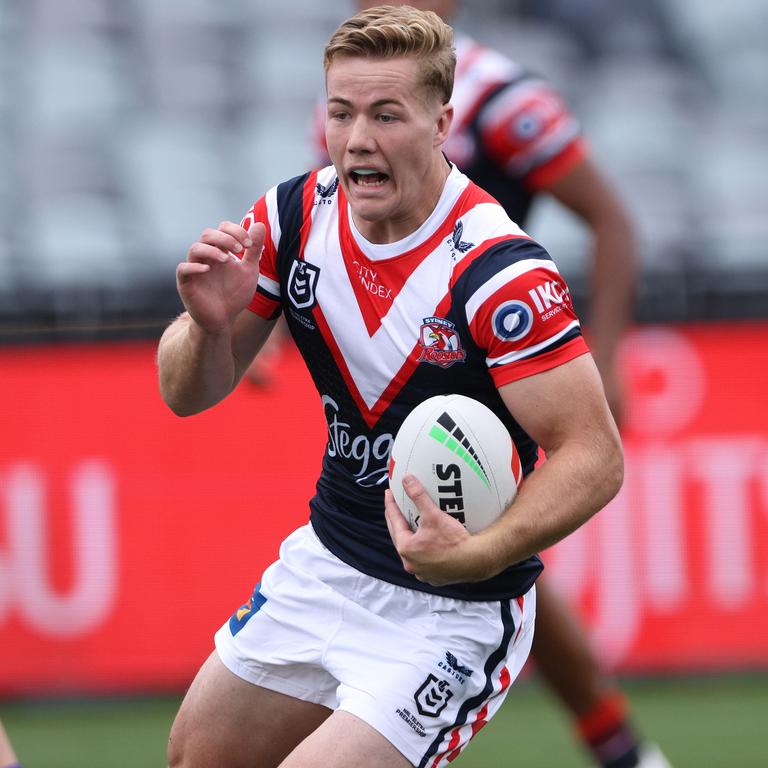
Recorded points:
(612,287)
(574,483)
(196,369)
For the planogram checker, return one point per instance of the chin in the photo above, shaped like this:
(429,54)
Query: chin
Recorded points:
(370,212)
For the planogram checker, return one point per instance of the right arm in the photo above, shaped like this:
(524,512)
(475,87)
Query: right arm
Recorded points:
(199,369)
(203,354)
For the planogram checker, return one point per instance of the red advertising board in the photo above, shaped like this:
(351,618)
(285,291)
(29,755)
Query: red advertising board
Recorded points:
(128,535)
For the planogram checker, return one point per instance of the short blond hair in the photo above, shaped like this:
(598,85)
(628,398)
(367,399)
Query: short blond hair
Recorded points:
(388,31)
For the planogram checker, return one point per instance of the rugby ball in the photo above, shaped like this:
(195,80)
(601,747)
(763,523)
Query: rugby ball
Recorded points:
(464,457)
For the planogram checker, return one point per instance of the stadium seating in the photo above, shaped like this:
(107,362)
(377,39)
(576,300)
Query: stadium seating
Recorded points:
(126,127)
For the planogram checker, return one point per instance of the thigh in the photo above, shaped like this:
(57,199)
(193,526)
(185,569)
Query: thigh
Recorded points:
(427,672)
(345,741)
(227,722)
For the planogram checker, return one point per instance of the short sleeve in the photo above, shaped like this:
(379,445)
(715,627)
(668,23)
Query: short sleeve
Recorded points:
(528,130)
(266,300)
(521,314)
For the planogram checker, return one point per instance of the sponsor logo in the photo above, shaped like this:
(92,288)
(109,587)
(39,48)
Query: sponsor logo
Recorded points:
(527,126)
(244,613)
(440,343)
(302,319)
(550,298)
(369,459)
(446,431)
(432,696)
(450,495)
(512,320)
(302,283)
(369,280)
(412,721)
(455,243)
(324,195)
(455,668)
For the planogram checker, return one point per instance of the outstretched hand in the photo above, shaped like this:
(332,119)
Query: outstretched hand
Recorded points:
(218,279)
(441,550)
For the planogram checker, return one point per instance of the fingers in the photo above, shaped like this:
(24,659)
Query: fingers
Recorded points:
(256,235)
(418,494)
(396,522)
(189,269)
(399,530)
(221,244)
(204,253)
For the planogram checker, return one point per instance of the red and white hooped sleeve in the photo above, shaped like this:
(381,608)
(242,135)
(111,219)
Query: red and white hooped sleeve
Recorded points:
(529,131)
(266,300)
(523,317)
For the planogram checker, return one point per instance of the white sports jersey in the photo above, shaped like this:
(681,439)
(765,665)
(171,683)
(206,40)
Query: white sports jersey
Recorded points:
(465,304)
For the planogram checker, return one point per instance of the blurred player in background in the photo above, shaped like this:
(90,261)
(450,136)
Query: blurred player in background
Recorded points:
(367,643)
(513,135)
(8,757)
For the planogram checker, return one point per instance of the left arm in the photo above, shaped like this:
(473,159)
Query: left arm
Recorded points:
(585,191)
(564,410)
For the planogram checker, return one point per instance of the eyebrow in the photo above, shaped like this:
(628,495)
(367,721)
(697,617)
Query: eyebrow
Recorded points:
(377,103)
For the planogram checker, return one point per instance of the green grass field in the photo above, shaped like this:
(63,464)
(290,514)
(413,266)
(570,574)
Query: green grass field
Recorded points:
(701,723)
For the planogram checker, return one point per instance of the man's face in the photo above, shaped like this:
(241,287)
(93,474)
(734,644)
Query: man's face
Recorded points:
(384,130)
(444,8)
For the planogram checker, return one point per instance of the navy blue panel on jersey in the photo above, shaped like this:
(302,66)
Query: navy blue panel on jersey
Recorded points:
(347,511)
(493,261)
(290,211)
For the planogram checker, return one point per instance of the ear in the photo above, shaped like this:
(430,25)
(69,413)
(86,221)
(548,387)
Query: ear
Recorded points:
(443,124)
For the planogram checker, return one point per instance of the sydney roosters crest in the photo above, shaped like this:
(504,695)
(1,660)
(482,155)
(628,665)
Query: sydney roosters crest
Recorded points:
(440,343)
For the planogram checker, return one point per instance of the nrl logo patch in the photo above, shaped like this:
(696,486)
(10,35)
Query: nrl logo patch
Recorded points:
(302,283)
(440,343)
(433,696)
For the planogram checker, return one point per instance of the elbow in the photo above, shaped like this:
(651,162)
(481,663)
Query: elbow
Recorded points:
(179,406)
(180,410)
(614,469)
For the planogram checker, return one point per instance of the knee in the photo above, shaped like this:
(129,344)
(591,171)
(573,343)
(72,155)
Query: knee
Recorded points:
(176,753)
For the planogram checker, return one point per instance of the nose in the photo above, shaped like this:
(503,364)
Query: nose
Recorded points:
(360,136)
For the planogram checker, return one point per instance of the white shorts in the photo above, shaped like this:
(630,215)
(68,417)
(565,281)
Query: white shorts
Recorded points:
(425,671)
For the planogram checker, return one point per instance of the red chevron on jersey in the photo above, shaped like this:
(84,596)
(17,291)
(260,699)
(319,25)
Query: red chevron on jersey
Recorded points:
(377,283)
(392,351)
(382,309)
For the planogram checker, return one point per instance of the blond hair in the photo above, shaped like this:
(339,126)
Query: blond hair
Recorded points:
(388,31)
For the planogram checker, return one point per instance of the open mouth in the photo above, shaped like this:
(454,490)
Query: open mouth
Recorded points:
(366,177)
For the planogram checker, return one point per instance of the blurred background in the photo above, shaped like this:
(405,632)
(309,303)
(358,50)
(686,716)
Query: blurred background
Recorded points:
(127,126)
